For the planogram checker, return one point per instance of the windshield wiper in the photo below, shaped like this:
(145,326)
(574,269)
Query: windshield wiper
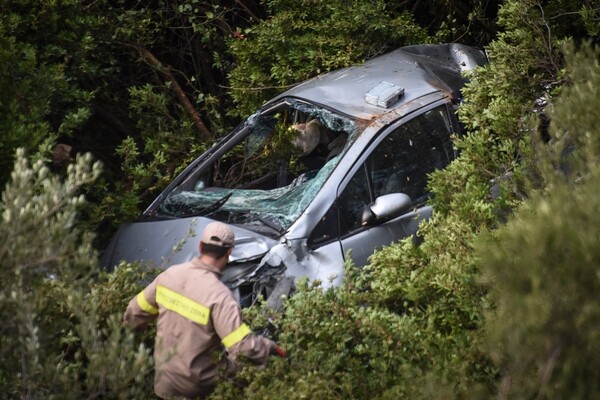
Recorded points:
(208,209)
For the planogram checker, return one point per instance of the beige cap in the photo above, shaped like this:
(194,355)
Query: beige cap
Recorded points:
(218,234)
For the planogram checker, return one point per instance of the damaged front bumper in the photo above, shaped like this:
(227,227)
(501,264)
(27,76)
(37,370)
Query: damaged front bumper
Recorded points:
(272,277)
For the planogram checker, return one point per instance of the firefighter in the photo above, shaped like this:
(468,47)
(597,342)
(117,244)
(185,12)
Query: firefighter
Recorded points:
(197,318)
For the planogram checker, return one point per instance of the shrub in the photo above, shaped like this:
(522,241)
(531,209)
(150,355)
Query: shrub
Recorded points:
(543,265)
(305,38)
(61,330)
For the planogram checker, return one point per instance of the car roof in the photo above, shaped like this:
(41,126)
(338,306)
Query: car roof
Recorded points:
(418,69)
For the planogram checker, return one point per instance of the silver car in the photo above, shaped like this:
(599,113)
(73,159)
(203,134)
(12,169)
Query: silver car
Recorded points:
(336,167)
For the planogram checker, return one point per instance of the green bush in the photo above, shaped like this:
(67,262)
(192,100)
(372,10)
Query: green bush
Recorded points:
(542,267)
(302,39)
(44,47)
(543,272)
(61,335)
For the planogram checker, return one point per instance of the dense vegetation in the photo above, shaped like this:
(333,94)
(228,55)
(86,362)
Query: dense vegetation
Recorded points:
(500,300)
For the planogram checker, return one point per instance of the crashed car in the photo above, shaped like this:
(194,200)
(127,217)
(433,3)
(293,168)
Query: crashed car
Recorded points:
(335,167)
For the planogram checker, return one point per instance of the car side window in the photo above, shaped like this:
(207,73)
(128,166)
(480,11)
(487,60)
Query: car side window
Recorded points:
(399,164)
(353,200)
(327,228)
(402,161)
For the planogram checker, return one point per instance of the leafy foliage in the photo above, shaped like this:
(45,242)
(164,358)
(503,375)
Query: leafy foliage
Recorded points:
(543,271)
(499,95)
(304,38)
(60,332)
(543,266)
(42,47)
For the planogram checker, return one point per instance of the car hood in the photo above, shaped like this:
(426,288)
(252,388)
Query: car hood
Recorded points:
(162,243)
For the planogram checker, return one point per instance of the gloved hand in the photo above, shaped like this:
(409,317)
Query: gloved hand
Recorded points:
(277,350)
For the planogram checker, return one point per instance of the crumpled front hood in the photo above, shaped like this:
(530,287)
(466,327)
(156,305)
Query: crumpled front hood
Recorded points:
(167,242)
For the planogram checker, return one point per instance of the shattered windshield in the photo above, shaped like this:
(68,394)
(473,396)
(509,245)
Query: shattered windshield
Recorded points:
(267,178)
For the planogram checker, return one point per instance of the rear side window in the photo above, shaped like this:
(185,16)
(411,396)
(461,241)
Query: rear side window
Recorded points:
(399,164)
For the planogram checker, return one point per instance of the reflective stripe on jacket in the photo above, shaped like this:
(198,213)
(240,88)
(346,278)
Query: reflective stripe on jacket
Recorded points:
(197,318)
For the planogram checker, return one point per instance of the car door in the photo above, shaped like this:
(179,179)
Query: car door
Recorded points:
(398,161)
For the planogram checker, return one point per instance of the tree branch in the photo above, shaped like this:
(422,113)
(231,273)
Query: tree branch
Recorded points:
(183,99)
(250,13)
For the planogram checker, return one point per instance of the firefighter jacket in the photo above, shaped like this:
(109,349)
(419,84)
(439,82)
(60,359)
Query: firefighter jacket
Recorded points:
(197,317)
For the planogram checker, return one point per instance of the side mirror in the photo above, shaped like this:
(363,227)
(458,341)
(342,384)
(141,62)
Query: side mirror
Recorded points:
(385,208)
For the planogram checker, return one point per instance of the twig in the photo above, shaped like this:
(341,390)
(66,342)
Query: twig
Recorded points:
(547,368)
(252,15)
(185,102)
